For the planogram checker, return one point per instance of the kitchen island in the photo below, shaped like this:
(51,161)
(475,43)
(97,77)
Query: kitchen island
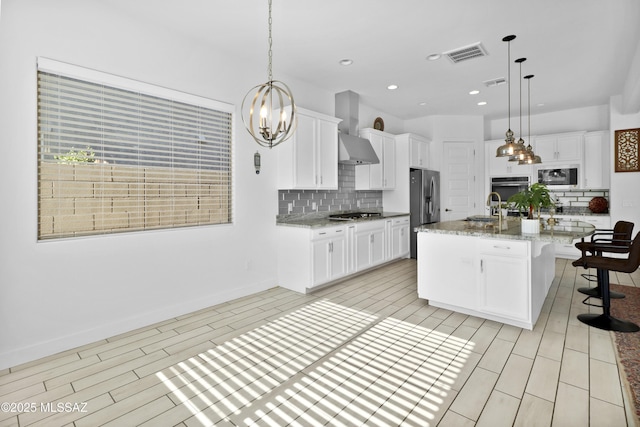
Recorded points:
(501,275)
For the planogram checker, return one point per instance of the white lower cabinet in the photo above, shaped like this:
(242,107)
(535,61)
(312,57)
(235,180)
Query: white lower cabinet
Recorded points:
(308,258)
(370,244)
(569,250)
(504,272)
(489,278)
(399,241)
(329,260)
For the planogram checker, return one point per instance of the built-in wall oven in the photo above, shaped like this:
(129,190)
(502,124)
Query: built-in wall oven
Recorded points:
(507,186)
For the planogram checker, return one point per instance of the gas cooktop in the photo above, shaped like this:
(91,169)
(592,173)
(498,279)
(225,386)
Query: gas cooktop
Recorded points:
(351,216)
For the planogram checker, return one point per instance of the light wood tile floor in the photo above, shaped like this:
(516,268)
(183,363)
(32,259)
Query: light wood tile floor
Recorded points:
(365,352)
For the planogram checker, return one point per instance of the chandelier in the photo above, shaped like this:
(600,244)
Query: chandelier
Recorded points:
(271,117)
(510,147)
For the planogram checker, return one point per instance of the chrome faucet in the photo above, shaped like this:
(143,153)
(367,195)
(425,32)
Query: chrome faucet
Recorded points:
(499,208)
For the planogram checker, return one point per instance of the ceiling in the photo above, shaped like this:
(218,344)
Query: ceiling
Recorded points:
(580,51)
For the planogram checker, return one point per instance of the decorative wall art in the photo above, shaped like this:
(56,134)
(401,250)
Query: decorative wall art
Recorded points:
(627,150)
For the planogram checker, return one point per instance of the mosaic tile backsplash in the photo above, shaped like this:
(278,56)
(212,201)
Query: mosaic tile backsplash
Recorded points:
(344,199)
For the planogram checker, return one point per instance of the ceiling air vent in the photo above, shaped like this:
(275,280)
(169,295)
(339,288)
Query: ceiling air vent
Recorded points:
(475,50)
(495,82)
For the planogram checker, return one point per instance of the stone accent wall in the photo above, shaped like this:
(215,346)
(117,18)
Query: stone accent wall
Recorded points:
(346,198)
(94,198)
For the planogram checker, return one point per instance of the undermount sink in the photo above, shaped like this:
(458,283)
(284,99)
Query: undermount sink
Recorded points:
(482,218)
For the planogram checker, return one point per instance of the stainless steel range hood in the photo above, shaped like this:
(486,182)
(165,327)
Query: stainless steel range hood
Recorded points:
(353,150)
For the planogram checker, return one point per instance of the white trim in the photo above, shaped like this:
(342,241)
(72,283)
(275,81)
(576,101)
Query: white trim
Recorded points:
(94,76)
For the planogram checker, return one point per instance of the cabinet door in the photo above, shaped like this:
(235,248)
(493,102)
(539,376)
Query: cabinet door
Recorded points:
(321,260)
(447,270)
(545,147)
(569,148)
(419,154)
(305,172)
(389,163)
(399,239)
(375,170)
(403,243)
(327,155)
(363,251)
(378,248)
(501,166)
(596,160)
(338,264)
(504,287)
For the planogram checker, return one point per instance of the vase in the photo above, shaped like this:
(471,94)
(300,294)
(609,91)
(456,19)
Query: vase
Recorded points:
(530,226)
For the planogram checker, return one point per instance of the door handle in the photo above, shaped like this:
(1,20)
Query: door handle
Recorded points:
(448,210)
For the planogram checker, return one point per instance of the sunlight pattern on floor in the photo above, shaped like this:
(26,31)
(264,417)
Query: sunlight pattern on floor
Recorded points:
(324,363)
(225,379)
(395,373)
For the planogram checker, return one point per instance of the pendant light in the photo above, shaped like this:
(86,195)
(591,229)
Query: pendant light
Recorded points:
(530,157)
(276,118)
(522,149)
(509,148)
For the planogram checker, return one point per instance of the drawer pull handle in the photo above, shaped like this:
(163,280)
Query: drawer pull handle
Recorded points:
(501,247)
(324,232)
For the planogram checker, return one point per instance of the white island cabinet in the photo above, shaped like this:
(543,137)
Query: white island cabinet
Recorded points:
(498,276)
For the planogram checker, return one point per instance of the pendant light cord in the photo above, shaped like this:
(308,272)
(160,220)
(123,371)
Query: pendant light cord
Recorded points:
(270,45)
(508,79)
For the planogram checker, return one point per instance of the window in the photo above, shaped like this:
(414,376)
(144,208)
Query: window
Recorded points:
(117,155)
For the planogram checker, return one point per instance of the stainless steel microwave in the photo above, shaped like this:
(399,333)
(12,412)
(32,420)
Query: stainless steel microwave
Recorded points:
(558,177)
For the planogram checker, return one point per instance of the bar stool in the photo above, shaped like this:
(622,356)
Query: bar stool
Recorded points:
(612,241)
(603,265)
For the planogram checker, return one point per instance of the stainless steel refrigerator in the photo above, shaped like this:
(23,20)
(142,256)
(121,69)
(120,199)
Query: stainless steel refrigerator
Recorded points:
(424,201)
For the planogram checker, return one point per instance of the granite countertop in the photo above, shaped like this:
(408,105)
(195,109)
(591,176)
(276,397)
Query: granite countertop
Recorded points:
(322,220)
(565,232)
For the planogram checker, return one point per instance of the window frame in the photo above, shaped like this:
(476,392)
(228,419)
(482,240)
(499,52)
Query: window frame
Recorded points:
(47,65)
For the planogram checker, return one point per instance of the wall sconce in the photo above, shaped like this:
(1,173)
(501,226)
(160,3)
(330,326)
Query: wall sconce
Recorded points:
(256,162)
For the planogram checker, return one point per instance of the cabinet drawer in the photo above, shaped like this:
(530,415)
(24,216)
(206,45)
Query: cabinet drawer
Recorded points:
(401,221)
(323,233)
(503,247)
(365,226)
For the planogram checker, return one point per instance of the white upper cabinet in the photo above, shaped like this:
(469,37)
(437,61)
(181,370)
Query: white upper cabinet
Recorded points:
(418,149)
(380,176)
(501,166)
(310,159)
(597,166)
(561,147)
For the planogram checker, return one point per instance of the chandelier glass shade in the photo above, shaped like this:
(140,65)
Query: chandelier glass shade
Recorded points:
(510,146)
(268,109)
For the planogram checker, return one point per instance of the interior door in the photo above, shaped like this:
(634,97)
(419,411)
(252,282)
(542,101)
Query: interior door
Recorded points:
(457,180)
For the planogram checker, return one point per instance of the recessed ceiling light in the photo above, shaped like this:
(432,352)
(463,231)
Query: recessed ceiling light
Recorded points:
(482,103)
(433,56)
(346,62)
(422,104)
(474,92)
(392,87)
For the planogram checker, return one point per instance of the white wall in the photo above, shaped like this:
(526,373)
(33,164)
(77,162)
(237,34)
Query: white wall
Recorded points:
(58,295)
(454,128)
(578,119)
(624,203)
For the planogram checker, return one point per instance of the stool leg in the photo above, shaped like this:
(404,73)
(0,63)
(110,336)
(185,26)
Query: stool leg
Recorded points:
(604,320)
(595,291)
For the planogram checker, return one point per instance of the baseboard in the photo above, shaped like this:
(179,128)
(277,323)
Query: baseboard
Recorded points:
(60,344)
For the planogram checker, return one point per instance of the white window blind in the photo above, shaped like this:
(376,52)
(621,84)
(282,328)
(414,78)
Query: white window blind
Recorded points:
(113,159)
